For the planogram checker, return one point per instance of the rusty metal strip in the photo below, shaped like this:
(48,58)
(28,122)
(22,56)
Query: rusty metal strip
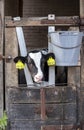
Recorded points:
(43,107)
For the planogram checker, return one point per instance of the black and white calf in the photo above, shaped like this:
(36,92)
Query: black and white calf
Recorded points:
(37,64)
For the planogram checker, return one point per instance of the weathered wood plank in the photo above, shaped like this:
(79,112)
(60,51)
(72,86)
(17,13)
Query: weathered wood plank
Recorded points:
(37,125)
(82,59)
(11,49)
(74,72)
(63,112)
(24,111)
(69,94)
(52,95)
(81,96)
(82,50)
(57,127)
(1,52)
(74,76)
(17,95)
(81,108)
(81,8)
(25,125)
(59,21)
(33,111)
(69,112)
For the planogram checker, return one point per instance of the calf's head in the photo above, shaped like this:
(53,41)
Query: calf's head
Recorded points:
(37,64)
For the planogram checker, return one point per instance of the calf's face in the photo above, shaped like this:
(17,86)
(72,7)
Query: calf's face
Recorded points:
(35,66)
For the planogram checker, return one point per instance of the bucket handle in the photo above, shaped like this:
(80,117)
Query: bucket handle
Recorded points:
(65,47)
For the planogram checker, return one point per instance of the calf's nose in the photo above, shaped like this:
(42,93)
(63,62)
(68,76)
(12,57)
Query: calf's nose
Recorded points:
(38,78)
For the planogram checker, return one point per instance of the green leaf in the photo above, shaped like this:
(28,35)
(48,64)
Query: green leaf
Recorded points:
(3,121)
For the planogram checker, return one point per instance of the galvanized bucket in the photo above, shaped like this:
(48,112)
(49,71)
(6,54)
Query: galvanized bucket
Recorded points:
(66,47)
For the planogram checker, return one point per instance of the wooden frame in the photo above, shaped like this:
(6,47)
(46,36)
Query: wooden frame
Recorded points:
(75,74)
(43,21)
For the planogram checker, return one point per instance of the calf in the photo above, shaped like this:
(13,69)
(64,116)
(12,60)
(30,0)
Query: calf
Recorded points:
(37,64)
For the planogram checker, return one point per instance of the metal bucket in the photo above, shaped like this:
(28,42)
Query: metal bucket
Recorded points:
(66,47)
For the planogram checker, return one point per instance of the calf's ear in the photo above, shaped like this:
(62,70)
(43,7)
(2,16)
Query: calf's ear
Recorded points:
(21,58)
(50,55)
(50,58)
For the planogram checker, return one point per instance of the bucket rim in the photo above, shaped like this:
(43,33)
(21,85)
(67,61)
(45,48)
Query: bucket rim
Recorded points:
(65,47)
(66,32)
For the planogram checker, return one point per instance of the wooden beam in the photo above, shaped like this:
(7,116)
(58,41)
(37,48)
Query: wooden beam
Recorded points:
(41,21)
(82,50)
(81,97)
(11,49)
(81,8)
(74,79)
(1,51)
(74,72)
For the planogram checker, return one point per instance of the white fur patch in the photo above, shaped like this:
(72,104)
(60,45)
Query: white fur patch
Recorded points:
(37,60)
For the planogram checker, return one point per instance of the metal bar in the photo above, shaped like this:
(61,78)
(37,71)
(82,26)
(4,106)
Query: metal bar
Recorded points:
(23,52)
(50,49)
